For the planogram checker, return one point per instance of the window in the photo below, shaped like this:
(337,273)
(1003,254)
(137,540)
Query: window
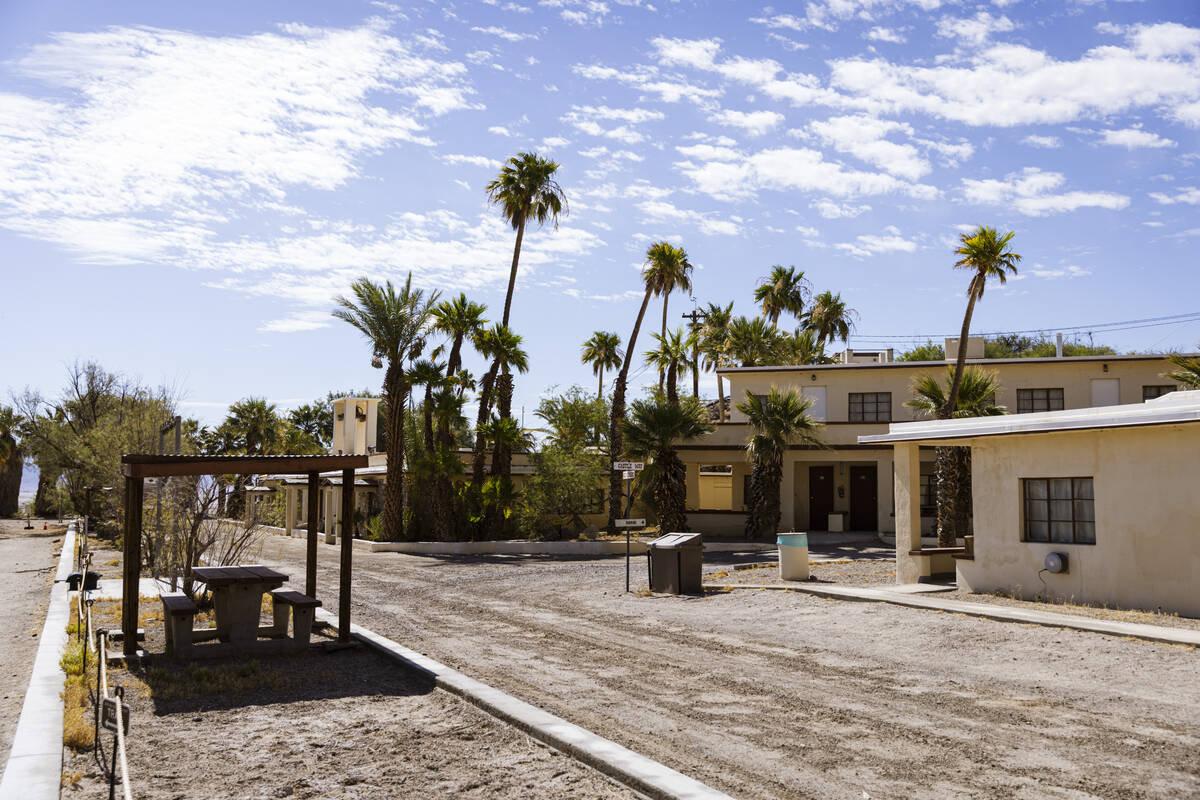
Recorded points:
(928,495)
(870,406)
(1059,510)
(1039,400)
(1151,392)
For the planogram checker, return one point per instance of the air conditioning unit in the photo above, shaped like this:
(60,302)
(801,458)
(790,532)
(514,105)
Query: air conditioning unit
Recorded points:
(1056,563)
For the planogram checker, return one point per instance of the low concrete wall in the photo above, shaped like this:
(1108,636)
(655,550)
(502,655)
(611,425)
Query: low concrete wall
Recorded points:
(596,548)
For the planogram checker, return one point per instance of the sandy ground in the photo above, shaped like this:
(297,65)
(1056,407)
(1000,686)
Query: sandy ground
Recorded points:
(877,574)
(27,562)
(783,695)
(348,724)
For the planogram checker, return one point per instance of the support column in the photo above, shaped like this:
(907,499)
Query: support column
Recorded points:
(289,509)
(132,572)
(310,564)
(787,495)
(908,512)
(347,555)
(885,492)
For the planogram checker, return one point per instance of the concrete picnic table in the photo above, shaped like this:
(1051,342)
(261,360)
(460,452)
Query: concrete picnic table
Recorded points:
(237,597)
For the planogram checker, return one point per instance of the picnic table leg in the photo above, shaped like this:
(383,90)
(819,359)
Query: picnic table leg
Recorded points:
(222,609)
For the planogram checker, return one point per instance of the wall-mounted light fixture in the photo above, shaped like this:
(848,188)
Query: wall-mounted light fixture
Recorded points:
(813,376)
(1106,367)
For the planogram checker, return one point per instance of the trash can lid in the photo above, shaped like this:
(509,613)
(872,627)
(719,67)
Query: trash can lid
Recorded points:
(678,541)
(792,539)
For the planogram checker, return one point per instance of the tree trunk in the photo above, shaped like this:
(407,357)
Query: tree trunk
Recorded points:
(673,384)
(962,465)
(485,410)
(41,500)
(663,334)
(720,399)
(670,492)
(949,477)
(10,480)
(763,519)
(512,275)
(395,389)
(501,453)
(616,436)
(696,371)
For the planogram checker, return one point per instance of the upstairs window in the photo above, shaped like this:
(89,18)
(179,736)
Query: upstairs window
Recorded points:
(870,406)
(1029,400)
(1059,510)
(1151,392)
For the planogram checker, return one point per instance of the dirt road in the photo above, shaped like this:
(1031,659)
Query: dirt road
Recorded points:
(27,569)
(781,695)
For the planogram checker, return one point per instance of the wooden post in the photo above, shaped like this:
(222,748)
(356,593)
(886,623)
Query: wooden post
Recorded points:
(133,564)
(314,510)
(347,555)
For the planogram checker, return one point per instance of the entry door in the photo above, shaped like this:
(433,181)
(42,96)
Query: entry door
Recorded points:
(864,499)
(1106,392)
(820,497)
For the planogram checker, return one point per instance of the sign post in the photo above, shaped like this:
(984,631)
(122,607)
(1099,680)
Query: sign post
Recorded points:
(629,470)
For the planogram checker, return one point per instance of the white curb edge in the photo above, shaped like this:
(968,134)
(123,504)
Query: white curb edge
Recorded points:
(636,771)
(34,768)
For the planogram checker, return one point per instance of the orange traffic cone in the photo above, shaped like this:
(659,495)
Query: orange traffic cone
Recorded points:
(44,526)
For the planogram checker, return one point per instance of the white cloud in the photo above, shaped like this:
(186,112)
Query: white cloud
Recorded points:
(1059,272)
(974,30)
(500,130)
(581,12)
(504,33)
(826,14)
(865,138)
(831,210)
(1045,142)
(663,212)
(1133,138)
(890,241)
(651,81)
(755,123)
(298,321)
(587,120)
(1189,195)
(1032,192)
(709,152)
(474,161)
(879,34)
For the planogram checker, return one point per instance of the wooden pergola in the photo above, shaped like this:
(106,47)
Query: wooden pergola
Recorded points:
(137,467)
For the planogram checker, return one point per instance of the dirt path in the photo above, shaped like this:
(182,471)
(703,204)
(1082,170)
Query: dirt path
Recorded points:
(27,566)
(770,695)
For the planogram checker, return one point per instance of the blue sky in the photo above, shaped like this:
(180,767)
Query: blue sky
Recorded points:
(184,188)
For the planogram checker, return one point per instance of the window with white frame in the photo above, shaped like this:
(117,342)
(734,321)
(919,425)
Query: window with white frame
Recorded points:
(1059,510)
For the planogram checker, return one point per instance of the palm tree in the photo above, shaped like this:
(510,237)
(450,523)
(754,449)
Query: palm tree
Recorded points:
(11,461)
(509,355)
(976,398)
(672,271)
(1188,373)
(525,189)
(396,324)
(662,259)
(752,343)
(653,431)
(786,290)
(801,348)
(777,419)
(986,254)
(829,318)
(602,351)
(460,319)
(494,343)
(673,357)
(714,345)
(257,425)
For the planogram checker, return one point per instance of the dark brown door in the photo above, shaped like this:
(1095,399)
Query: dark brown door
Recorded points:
(820,497)
(864,499)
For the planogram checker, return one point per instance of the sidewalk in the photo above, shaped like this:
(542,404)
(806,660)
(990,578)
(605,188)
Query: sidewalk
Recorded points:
(900,596)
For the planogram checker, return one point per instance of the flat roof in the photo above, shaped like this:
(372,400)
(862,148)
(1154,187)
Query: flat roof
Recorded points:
(147,465)
(991,362)
(1170,409)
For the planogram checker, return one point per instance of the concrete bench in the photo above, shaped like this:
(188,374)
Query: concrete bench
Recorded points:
(178,615)
(303,610)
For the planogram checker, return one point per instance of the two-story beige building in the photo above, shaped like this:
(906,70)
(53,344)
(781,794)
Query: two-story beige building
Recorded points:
(849,486)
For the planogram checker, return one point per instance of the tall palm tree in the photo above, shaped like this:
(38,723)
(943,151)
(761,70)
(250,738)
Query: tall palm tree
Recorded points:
(257,425)
(786,290)
(976,398)
(777,419)
(673,271)
(1188,373)
(396,324)
(602,351)
(495,343)
(653,430)
(714,346)
(800,347)
(986,254)
(526,190)
(830,319)
(662,259)
(672,356)
(460,319)
(752,343)
(509,355)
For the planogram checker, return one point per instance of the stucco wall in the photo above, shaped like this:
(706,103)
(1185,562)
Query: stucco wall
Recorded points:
(1147,506)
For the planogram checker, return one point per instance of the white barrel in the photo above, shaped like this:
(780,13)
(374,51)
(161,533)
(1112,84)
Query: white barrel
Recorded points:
(793,556)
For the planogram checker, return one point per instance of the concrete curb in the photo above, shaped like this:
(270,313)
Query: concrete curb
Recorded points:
(1051,619)
(639,773)
(34,769)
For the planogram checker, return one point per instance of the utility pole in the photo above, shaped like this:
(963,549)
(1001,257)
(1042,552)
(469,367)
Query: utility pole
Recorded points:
(695,316)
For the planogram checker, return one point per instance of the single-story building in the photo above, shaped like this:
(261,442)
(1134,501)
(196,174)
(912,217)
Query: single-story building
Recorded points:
(1112,491)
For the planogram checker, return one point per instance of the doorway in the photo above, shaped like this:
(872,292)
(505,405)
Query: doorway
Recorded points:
(864,499)
(820,497)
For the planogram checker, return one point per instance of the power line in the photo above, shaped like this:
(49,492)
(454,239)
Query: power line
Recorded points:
(1100,327)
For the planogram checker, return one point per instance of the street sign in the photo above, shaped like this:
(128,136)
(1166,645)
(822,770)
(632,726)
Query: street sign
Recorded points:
(631,523)
(628,465)
(108,715)
(628,474)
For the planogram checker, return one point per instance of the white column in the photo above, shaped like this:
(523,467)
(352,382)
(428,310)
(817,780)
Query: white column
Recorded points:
(908,512)
(289,508)
(886,493)
(787,495)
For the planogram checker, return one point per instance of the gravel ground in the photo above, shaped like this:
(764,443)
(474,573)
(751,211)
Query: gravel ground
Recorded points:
(783,695)
(883,573)
(348,724)
(29,559)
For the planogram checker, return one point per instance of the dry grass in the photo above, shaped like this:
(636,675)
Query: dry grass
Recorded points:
(70,780)
(194,681)
(78,732)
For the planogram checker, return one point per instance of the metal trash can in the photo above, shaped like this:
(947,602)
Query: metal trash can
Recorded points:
(793,556)
(675,563)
